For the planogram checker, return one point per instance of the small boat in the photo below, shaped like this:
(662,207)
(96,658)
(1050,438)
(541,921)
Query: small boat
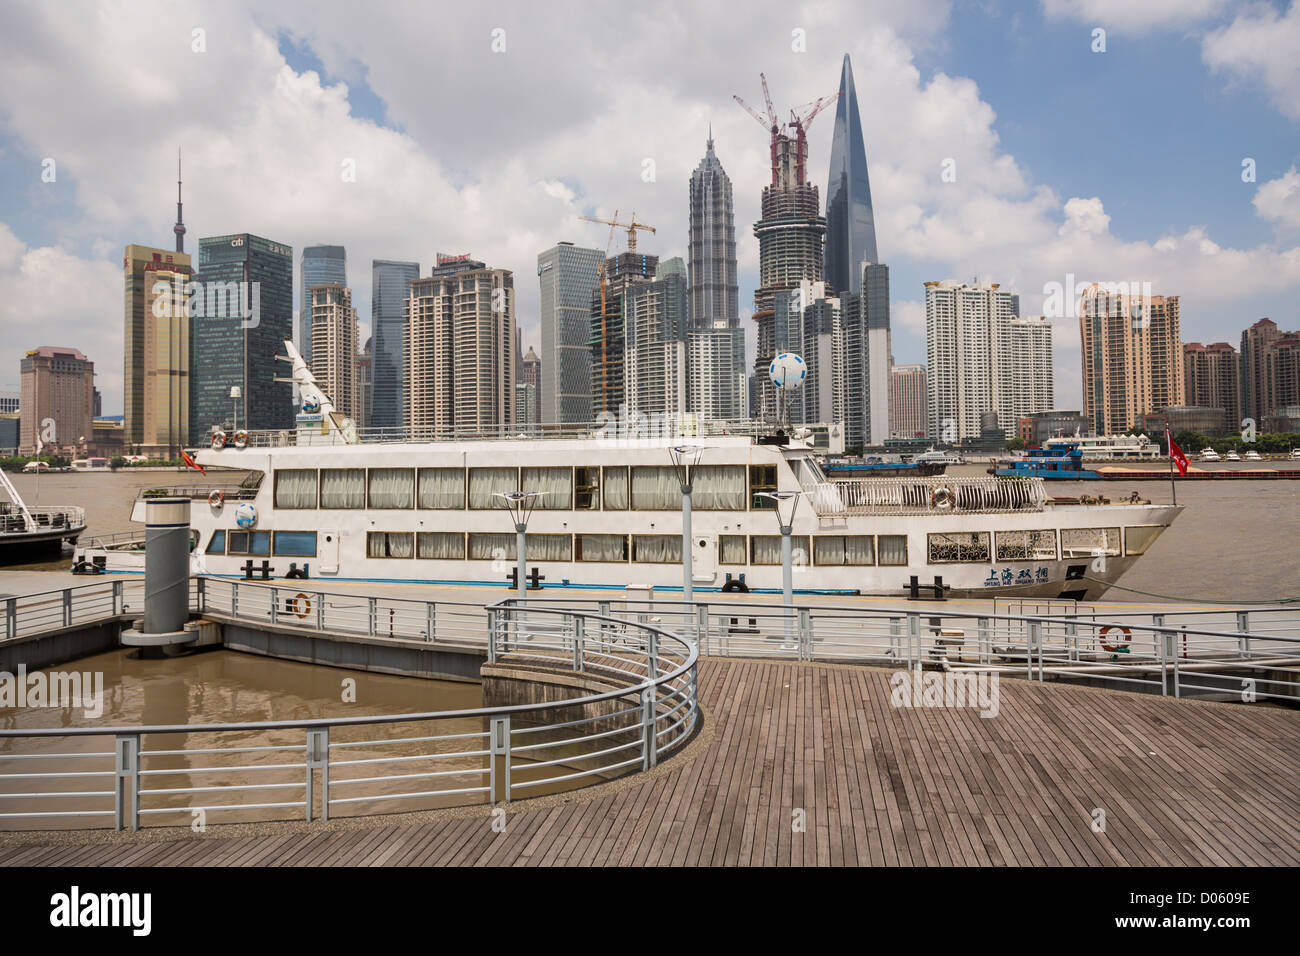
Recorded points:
(1253,456)
(1060,462)
(1209,454)
(1232,456)
(877,467)
(932,457)
(32,533)
(1295,454)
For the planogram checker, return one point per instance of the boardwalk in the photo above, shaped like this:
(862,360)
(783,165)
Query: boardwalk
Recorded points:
(1179,783)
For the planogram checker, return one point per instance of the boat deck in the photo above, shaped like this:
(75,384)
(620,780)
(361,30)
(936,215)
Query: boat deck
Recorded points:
(1181,783)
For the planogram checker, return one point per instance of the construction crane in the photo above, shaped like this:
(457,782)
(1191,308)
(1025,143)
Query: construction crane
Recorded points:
(631,228)
(771,124)
(800,125)
(600,271)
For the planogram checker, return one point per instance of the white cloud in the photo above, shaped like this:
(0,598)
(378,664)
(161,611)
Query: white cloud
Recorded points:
(908,314)
(1135,16)
(1279,199)
(1260,43)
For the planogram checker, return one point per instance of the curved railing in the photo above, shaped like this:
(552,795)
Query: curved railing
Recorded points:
(320,767)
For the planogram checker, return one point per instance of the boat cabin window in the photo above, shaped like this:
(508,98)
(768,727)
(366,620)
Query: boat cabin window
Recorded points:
(295,544)
(616,489)
(1081,542)
(295,488)
(547,547)
(343,488)
(392,488)
(718,487)
(586,489)
(389,544)
(218,543)
(1026,545)
(440,545)
(731,549)
(836,549)
(762,480)
(968,547)
(655,488)
(657,548)
(486,483)
(442,488)
(766,548)
(254,543)
(554,484)
(600,547)
(482,546)
(1138,539)
(892,549)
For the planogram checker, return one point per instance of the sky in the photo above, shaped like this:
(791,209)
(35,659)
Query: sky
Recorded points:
(1109,140)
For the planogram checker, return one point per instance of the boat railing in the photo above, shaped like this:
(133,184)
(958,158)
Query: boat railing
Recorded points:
(44,517)
(634,702)
(917,496)
(231,492)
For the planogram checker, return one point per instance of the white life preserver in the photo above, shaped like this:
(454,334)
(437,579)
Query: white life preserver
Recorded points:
(218,441)
(241,439)
(941,498)
(216,498)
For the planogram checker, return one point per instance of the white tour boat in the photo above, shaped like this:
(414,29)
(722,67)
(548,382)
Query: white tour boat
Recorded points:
(1209,454)
(1108,447)
(608,515)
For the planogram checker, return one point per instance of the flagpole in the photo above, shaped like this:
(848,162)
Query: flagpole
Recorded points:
(1169,449)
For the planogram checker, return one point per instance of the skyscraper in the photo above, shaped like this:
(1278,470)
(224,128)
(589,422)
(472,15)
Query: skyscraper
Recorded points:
(530,373)
(334,345)
(714,292)
(567,275)
(809,322)
(656,336)
(717,383)
(609,329)
(1132,357)
(1210,379)
(319,265)
(867,347)
(139,266)
(850,219)
(57,385)
(389,286)
(907,418)
(247,315)
(166,365)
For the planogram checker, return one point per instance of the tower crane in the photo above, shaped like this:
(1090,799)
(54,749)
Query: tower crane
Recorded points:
(631,228)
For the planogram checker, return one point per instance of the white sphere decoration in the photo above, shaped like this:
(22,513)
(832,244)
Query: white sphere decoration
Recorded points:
(245,515)
(787,371)
(310,404)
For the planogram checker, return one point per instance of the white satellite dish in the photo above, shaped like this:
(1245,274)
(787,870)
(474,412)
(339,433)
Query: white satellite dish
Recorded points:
(787,371)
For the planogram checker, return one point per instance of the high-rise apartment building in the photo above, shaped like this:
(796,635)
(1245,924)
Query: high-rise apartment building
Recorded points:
(460,359)
(1282,374)
(139,264)
(1210,379)
(867,347)
(390,286)
(907,415)
(57,386)
(717,382)
(609,332)
(850,218)
(1267,380)
(567,275)
(530,373)
(981,359)
(334,345)
(1132,357)
(247,316)
(320,265)
(656,324)
(714,292)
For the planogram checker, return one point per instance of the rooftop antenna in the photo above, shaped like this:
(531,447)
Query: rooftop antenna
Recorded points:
(179,228)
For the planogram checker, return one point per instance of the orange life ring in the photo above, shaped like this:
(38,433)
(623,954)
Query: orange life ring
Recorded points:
(216,498)
(1113,648)
(300,605)
(241,439)
(218,441)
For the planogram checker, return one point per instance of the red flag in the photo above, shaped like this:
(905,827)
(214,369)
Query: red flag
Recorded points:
(191,463)
(1176,453)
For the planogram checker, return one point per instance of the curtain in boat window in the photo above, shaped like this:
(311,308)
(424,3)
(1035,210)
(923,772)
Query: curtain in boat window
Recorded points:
(295,488)
(616,496)
(555,485)
(485,483)
(602,547)
(766,548)
(389,544)
(657,548)
(655,489)
(843,549)
(483,546)
(718,487)
(343,488)
(442,488)
(731,549)
(893,549)
(548,547)
(392,488)
(440,545)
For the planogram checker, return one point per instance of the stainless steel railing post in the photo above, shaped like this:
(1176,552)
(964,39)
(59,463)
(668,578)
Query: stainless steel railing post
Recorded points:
(318,758)
(578,662)
(805,634)
(649,740)
(913,640)
(126,792)
(1243,626)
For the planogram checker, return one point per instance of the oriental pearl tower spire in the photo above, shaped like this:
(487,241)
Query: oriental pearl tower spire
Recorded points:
(179,228)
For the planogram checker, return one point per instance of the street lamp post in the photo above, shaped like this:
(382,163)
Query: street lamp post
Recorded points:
(685,458)
(520,505)
(786,504)
(236,393)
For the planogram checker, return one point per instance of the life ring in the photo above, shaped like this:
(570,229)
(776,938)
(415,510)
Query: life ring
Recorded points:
(1118,646)
(300,605)
(218,441)
(241,439)
(733,585)
(941,498)
(216,498)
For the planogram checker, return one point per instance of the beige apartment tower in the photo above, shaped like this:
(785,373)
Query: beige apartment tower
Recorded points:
(58,388)
(334,346)
(907,418)
(1132,357)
